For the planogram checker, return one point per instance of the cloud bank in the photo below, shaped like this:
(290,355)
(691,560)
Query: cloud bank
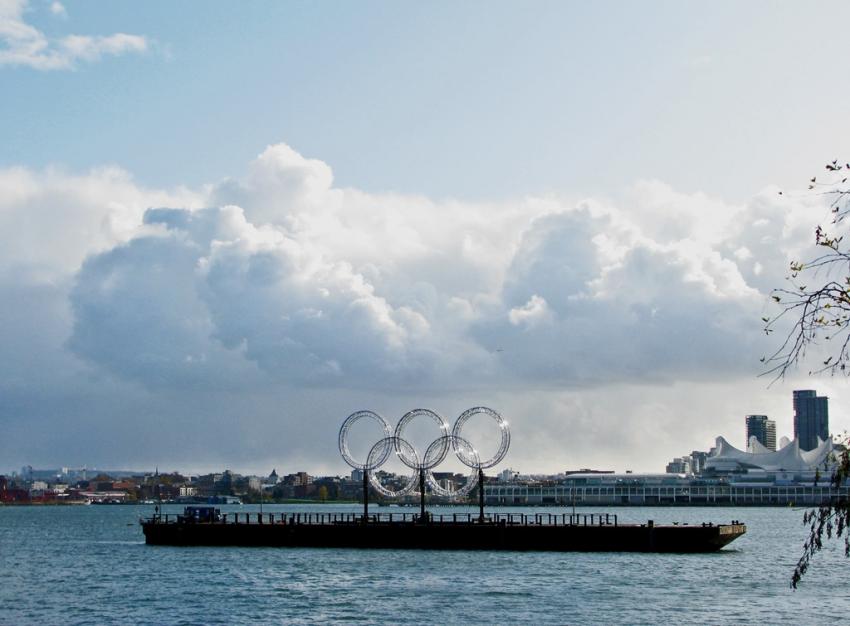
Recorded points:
(291,302)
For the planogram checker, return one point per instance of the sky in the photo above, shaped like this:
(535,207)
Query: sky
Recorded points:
(225,227)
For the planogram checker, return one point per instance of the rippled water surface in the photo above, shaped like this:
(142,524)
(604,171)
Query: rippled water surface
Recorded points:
(89,565)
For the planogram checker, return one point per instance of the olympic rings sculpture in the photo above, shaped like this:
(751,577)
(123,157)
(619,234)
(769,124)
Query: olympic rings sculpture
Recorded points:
(431,457)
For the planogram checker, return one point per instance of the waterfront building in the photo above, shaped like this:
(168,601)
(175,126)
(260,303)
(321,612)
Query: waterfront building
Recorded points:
(763,429)
(811,418)
(665,490)
(728,459)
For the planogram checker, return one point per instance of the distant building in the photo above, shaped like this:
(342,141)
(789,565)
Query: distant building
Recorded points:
(507,475)
(300,479)
(770,435)
(680,465)
(698,459)
(811,418)
(693,463)
(303,479)
(763,429)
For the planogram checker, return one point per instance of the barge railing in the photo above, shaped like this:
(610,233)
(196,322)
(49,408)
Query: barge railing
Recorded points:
(504,519)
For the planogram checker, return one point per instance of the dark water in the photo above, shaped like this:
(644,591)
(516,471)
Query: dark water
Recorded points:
(89,565)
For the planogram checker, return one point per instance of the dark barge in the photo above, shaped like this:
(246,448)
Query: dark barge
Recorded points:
(206,526)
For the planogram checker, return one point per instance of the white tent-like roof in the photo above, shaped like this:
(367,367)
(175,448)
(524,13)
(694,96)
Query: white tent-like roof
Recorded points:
(790,458)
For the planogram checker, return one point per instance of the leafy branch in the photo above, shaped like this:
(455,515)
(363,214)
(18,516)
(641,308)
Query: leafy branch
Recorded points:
(819,307)
(819,311)
(830,519)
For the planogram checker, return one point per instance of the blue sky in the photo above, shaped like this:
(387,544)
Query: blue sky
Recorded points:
(471,100)
(256,218)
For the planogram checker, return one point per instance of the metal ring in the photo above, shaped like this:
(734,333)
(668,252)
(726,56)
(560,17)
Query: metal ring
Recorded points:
(343,439)
(434,454)
(474,460)
(377,451)
(439,454)
(471,480)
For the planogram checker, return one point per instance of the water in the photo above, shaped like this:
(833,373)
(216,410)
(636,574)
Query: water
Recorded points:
(89,565)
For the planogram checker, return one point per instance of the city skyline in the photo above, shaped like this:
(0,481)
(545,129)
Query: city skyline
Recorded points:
(223,230)
(808,418)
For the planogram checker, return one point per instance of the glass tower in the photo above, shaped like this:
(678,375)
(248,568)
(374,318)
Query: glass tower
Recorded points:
(811,418)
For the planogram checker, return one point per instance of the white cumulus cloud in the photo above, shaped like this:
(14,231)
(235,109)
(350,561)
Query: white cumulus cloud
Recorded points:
(257,302)
(333,287)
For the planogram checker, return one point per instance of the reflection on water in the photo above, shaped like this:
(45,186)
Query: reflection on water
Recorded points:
(89,565)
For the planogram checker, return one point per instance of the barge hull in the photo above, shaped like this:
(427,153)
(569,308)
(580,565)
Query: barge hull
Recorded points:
(448,536)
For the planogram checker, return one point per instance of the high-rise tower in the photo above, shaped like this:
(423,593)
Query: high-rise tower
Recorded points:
(811,418)
(770,435)
(763,429)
